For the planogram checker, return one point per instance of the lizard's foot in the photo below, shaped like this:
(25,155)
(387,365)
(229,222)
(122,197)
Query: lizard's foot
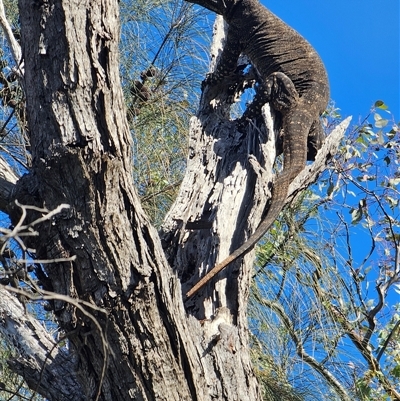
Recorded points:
(280,91)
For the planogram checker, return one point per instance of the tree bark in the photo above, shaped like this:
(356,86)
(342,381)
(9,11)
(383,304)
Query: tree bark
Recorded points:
(8,179)
(120,304)
(48,369)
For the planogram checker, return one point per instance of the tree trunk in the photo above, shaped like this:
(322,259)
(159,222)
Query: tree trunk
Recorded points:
(120,304)
(141,345)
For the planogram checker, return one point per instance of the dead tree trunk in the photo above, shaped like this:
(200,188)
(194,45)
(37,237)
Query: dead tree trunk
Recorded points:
(119,304)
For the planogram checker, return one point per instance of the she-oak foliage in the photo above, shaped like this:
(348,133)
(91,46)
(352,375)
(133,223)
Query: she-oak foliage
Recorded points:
(122,331)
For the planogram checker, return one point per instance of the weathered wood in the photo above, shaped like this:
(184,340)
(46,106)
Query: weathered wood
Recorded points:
(8,179)
(35,349)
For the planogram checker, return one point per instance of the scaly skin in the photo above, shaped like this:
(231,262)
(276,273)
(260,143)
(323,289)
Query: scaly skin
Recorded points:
(294,82)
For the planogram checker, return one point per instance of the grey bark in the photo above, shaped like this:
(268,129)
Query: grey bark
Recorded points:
(121,305)
(8,179)
(46,367)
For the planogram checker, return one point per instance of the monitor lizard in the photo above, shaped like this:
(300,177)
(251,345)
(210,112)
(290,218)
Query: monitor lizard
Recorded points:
(292,79)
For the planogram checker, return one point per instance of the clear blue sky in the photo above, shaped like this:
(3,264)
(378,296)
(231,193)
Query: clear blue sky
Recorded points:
(358,41)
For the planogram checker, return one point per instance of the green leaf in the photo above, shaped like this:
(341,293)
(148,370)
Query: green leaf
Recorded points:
(367,270)
(379,104)
(330,189)
(356,215)
(396,371)
(363,388)
(392,202)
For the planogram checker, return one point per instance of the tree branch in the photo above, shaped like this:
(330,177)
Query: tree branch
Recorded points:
(8,179)
(12,42)
(45,366)
(325,373)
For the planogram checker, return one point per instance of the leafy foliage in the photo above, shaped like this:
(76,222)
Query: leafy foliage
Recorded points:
(14,143)
(161,83)
(325,294)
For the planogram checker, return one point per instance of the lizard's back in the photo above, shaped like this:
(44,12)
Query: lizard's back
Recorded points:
(273,46)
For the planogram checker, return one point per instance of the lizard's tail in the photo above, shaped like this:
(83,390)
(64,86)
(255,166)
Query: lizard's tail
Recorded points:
(278,200)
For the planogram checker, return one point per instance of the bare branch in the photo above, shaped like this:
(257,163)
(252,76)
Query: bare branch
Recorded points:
(19,228)
(38,359)
(8,180)
(386,343)
(366,352)
(12,42)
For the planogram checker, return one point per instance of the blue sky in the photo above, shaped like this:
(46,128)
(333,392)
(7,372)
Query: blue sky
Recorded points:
(358,41)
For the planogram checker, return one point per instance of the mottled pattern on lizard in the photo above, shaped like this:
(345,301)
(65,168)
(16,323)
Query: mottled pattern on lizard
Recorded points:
(293,81)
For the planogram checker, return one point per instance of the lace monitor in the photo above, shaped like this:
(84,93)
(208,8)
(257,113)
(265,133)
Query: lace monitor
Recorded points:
(292,79)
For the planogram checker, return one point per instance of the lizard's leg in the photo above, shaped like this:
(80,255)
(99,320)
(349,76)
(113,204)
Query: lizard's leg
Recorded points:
(315,138)
(226,66)
(296,123)
(279,90)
